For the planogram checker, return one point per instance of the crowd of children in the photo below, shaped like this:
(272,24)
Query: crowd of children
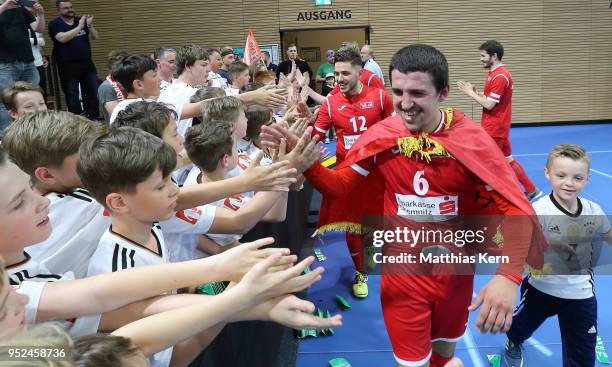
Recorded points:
(108,229)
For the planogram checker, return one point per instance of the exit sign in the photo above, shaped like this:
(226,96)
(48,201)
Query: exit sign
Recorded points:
(323,2)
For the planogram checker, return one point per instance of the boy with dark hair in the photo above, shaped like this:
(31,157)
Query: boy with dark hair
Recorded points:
(571,224)
(46,146)
(22,98)
(137,74)
(239,75)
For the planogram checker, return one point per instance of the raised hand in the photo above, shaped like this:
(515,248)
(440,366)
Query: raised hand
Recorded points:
(274,177)
(305,152)
(295,313)
(240,259)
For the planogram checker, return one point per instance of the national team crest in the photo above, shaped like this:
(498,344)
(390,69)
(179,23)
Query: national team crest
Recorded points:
(366,105)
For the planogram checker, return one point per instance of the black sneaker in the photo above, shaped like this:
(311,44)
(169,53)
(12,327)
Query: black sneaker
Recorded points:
(513,355)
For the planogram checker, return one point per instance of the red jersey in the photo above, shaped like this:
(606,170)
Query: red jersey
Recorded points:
(367,78)
(498,89)
(438,190)
(352,115)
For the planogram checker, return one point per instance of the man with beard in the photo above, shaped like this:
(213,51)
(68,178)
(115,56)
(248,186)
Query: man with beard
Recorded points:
(496,102)
(72,52)
(431,158)
(351,111)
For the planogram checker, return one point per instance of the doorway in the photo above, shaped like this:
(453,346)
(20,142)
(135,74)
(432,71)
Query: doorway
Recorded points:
(312,43)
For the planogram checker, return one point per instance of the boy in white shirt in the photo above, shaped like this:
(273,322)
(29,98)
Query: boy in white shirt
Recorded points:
(239,75)
(192,67)
(45,145)
(570,223)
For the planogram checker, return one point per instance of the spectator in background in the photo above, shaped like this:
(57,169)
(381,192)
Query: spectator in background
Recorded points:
(239,54)
(215,61)
(165,58)
(72,53)
(16,59)
(367,57)
(239,75)
(265,78)
(326,68)
(253,68)
(268,61)
(110,92)
(292,55)
(38,41)
(227,58)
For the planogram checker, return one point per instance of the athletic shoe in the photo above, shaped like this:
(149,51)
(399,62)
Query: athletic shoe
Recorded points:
(326,140)
(513,355)
(535,195)
(360,287)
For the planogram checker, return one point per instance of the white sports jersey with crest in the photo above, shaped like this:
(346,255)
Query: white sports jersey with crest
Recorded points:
(573,274)
(182,230)
(78,222)
(29,278)
(115,253)
(233,202)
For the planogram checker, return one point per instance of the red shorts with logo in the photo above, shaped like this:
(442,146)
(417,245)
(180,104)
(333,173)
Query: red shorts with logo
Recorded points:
(420,309)
(504,145)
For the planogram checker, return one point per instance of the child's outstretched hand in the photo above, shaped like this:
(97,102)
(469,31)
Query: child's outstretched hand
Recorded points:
(294,312)
(263,283)
(274,177)
(239,260)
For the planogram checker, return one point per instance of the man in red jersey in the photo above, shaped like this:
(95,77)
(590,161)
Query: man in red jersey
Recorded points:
(351,111)
(496,102)
(432,158)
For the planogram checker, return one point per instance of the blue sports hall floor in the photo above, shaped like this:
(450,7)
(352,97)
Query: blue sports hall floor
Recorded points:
(363,340)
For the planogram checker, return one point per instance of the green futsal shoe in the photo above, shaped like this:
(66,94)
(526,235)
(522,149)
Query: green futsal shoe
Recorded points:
(360,286)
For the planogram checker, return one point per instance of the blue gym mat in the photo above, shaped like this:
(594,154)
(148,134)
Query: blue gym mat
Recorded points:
(363,340)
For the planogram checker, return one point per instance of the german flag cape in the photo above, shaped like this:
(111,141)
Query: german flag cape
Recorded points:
(465,141)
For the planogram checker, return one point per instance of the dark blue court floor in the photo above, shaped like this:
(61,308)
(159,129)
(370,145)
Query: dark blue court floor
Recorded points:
(363,340)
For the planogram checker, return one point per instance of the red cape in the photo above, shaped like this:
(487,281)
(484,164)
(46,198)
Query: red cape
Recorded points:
(467,142)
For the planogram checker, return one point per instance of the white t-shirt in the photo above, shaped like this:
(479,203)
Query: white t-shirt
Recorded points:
(178,95)
(115,253)
(29,278)
(375,68)
(573,275)
(231,91)
(216,80)
(233,202)
(122,106)
(183,230)
(78,222)
(164,84)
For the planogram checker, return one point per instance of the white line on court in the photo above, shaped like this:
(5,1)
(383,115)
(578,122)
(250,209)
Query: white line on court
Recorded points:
(601,173)
(540,154)
(539,346)
(472,348)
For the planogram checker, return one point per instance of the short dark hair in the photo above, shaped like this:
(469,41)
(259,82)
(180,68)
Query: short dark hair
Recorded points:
(101,350)
(207,143)
(291,45)
(114,57)
(58,2)
(257,116)
(493,47)
(348,54)
(236,68)
(212,50)
(121,159)
(186,56)
(130,68)
(150,116)
(423,58)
